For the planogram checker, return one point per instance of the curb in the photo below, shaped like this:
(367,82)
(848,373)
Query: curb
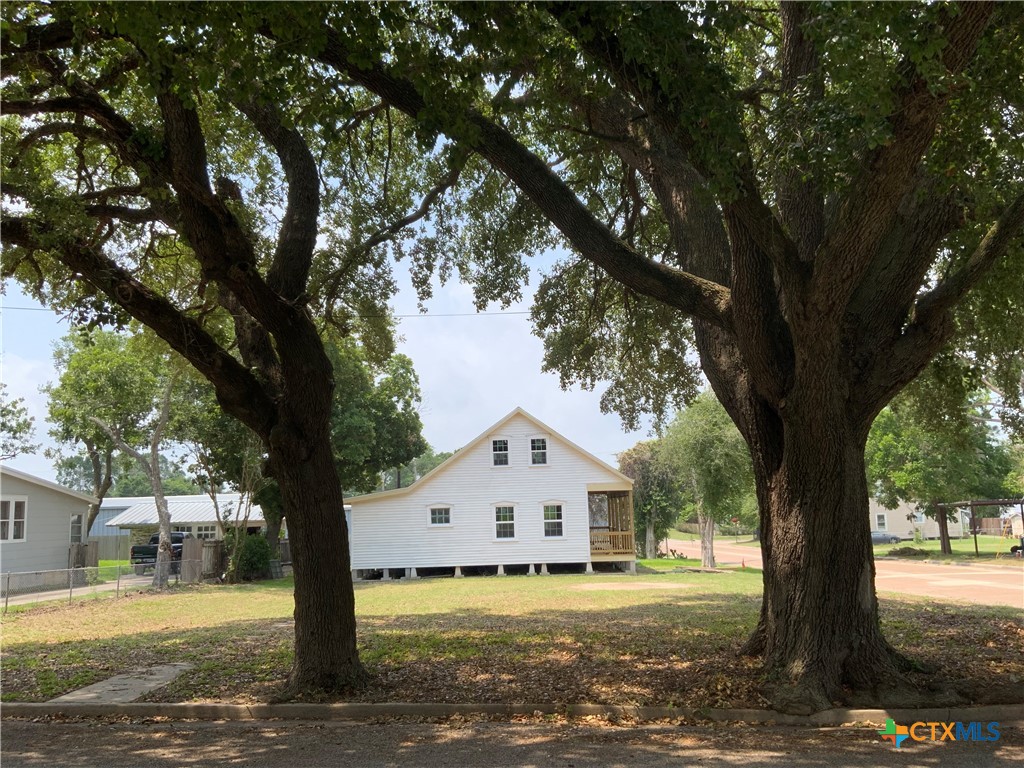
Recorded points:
(1008,714)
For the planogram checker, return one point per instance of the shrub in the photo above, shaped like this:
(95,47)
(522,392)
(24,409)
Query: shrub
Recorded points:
(253,558)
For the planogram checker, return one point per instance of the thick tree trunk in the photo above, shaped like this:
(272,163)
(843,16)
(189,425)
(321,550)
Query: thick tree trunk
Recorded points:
(706,525)
(819,630)
(940,516)
(326,658)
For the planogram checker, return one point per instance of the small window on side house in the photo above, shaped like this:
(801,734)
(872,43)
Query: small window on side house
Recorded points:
(440,515)
(499,449)
(539,450)
(880,522)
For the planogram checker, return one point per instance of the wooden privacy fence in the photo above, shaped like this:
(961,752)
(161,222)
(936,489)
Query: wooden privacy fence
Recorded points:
(83,556)
(112,547)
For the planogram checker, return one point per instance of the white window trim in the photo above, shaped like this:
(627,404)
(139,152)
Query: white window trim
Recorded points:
(543,532)
(71,526)
(515,520)
(10,529)
(508,453)
(885,522)
(451,515)
(547,450)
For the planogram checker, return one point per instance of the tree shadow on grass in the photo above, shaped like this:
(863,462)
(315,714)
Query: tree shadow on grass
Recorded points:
(679,648)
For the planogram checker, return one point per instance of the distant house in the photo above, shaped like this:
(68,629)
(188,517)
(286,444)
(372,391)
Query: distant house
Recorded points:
(520,498)
(194,514)
(39,520)
(906,522)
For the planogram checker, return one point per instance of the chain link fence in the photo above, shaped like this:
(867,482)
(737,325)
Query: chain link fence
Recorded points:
(103,581)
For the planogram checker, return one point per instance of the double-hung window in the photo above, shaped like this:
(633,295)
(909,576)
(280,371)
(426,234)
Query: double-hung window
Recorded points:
(880,521)
(538,450)
(12,519)
(552,520)
(504,522)
(499,450)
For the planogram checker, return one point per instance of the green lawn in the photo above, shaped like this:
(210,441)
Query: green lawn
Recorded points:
(655,638)
(991,548)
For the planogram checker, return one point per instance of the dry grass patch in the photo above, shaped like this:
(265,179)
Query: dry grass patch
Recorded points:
(665,639)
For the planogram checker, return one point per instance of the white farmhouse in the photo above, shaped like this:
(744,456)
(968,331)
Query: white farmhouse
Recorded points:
(520,498)
(907,523)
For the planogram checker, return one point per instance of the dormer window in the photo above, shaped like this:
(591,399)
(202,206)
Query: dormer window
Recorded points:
(539,450)
(499,450)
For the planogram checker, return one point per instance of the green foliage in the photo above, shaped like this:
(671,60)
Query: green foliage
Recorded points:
(413,470)
(16,427)
(912,459)
(374,423)
(251,559)
(709,459)
(131,481)
(104,375)
(656,494)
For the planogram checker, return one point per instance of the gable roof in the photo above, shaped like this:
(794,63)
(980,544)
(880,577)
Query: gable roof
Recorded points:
(44,484)
(465,450)
(198,508)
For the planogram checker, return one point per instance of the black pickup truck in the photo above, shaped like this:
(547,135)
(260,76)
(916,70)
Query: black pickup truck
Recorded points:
(143,556)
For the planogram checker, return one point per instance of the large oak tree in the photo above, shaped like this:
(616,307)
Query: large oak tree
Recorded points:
(812,191)
(159,168)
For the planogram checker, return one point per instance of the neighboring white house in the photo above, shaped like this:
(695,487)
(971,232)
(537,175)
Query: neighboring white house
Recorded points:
(194,514)
(906,522)
(39,520)
(517,499)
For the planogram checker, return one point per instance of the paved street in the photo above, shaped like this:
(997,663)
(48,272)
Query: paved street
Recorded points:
(985,585)
(468,744)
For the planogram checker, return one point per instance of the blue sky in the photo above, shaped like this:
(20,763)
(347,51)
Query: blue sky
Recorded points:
(473,370)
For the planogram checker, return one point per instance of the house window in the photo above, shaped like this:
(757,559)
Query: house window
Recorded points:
(206,531)
(499,448)
(76,529)
(552,520)
(440,515)
(539,450)
(880,522)
(181,528)
(504,522)
(12,519)
(919,517)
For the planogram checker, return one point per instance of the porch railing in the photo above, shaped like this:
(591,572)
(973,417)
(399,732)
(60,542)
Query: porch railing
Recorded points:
(604,542)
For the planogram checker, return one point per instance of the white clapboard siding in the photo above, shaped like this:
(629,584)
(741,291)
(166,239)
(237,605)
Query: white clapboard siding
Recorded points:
(393,530)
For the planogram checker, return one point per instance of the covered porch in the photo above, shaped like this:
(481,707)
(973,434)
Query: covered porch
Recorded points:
(611,522)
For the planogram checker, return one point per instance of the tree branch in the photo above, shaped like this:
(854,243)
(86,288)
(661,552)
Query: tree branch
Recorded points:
(932,324)
(991,248)
(696,296)
(296,239)
(238,391)
(642,83)
(867,212)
